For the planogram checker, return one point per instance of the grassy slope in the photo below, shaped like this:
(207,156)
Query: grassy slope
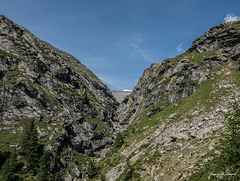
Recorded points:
(206,98)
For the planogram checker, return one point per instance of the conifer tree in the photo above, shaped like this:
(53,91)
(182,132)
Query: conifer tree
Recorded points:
(91,169)
(9,168)
(30,147)
(119,140)
(43,173)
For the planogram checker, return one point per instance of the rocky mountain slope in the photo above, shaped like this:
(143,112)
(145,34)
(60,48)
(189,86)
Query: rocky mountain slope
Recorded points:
(72,108)
(166,128)
(173,118)
(179,77)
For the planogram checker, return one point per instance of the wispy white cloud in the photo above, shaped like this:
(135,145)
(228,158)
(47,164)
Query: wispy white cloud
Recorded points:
(231,17)
(141,52)
(179,48)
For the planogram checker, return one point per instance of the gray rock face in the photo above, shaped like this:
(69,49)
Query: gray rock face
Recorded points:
(72,107)
(176,78)
(76,114)
(221,37)
(162,82)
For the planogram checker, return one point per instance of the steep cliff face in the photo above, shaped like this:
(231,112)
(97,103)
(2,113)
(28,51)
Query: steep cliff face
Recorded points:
(175,115)
(179,77)
(71,106)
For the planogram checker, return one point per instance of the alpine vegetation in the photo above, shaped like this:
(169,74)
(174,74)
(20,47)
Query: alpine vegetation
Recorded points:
(58,121)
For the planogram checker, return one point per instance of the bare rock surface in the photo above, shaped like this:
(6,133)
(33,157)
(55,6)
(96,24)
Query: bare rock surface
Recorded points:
(71,106)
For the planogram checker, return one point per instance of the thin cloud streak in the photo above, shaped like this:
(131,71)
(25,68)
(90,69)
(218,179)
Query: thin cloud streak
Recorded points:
(179,48)
(141,52)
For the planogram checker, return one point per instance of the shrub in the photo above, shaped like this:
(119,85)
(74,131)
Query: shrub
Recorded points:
(119,140)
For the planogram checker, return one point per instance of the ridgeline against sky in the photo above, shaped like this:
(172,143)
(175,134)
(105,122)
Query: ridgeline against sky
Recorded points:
(117,40)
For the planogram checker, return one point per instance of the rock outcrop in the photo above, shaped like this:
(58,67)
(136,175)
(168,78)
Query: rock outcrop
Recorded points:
(73,109)
(174,117)
(170,122)
(179,77)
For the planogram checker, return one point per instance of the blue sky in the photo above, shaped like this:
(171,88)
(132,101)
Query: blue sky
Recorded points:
(118,39)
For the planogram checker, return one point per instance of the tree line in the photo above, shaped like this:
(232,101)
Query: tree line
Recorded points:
(28,159)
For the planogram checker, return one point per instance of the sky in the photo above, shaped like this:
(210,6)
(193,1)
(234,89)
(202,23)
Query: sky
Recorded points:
(118,39)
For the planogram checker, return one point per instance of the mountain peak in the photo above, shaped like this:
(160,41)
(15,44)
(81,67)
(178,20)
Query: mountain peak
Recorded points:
(71,107)
(176,78)
(223,35)
(2,16)
(175,112)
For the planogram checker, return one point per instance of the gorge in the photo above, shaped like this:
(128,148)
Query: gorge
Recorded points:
(165,129)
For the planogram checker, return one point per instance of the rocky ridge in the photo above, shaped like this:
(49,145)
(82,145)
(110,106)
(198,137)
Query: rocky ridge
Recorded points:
(171,120)
(180,141)
(175,114)
(179,77)
(73,109)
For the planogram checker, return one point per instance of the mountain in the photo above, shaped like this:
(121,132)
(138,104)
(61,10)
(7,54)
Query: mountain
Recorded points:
(179,77)
(56,112)
(174,117)
(73,110)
